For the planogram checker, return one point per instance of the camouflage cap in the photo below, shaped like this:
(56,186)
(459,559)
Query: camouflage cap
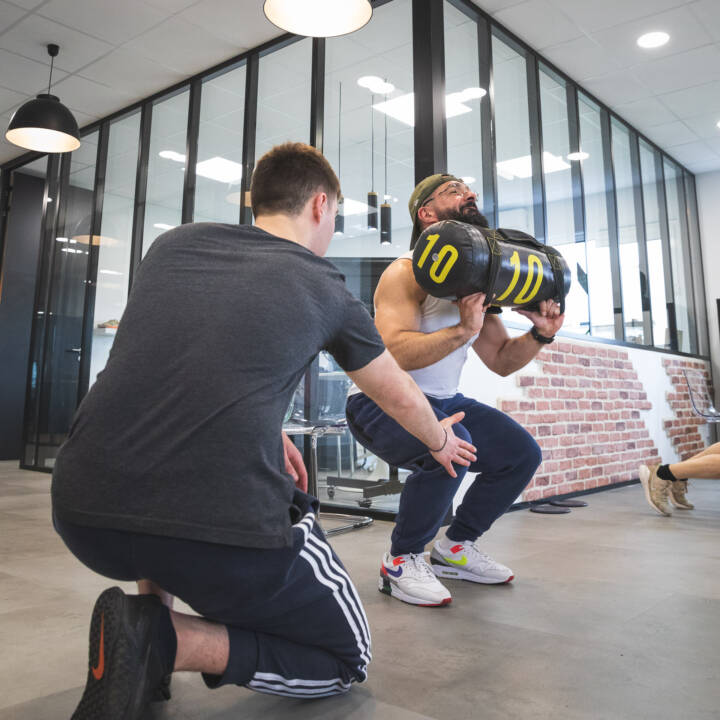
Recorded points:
(423,190)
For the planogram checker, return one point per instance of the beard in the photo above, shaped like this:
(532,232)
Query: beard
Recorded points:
(468,213)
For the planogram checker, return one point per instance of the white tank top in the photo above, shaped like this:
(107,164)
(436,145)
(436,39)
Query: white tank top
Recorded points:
(440,379)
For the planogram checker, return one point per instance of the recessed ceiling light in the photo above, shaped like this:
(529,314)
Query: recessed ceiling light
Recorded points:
(652,40)
(468,180)
(718,123)
(163,226)
(375,85)
(578,155)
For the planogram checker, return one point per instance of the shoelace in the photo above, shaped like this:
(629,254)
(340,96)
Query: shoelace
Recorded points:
(420,564)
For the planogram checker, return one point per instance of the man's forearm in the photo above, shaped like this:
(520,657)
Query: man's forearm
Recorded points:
(515,354)
(413,350)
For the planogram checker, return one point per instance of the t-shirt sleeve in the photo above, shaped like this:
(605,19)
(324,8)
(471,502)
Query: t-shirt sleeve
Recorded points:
(355,341)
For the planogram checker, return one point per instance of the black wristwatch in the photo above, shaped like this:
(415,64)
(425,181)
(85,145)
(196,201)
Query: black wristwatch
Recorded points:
(541,338)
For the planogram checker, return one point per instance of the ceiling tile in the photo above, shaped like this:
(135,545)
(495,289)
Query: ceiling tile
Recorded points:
(693,101)
(28,4)
(9,14)
(708,13)
(493,6)
(669,134)
(646,112)
(714,144)
(9,99)
(678,71)
(581,59)
(115,22)
(126,71)
(685,31)
(26,76)
(617,88)
(31,36)
(170,7)
(82,95)
(182,46)
(538,23)
(692,152)
(592,15)
(704,126)
(242,22)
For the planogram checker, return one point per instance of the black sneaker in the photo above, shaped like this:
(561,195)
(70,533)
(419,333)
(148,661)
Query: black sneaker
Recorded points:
(125,667)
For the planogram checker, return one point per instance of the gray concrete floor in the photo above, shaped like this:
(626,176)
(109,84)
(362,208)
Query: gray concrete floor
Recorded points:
(614,613)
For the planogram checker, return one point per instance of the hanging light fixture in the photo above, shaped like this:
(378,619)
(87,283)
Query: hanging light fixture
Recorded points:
(44,124)
(372,198)
(385,209)
(340,217)
(318,18)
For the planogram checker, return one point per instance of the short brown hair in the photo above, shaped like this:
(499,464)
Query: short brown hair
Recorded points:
(287,176)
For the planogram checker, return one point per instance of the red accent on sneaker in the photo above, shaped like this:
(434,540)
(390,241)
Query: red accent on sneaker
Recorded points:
(398,561)
(510,579)
(456,548)
(446,601)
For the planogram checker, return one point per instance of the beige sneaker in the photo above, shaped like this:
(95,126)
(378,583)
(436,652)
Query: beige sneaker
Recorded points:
(677,495)
(656,489)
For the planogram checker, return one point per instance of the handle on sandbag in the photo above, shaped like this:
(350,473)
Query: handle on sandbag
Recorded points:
(454,259)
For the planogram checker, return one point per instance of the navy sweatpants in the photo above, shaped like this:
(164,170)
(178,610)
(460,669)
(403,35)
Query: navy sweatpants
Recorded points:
(295,621)
(507,458)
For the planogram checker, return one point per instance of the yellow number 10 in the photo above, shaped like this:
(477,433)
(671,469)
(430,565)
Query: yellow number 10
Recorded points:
(522,297)
(446,251)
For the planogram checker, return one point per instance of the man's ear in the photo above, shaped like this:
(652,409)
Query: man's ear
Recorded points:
(319,206)
(426,214)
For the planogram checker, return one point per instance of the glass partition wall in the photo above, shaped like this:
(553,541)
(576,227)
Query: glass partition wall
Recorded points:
(542,156)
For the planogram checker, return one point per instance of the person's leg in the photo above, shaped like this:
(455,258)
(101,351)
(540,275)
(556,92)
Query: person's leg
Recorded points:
(704,465)
(428,490)
(287,622)
(507,458)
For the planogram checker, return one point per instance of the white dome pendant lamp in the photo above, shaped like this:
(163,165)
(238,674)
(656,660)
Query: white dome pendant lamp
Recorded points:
(318,18)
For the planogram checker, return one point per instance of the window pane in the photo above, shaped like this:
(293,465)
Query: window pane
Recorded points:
(512,137)
(220,140)
(557,173)
(463,98)
(114,242)
(661,336)
(679,257)
(370,118)
(630,275)
(283,111)
(166,167)
(599,279)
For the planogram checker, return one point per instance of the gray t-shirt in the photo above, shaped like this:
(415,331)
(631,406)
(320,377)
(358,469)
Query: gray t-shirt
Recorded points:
(180,435)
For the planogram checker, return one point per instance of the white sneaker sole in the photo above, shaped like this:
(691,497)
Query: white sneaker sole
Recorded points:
(644,473)
(387,587)
(452,573)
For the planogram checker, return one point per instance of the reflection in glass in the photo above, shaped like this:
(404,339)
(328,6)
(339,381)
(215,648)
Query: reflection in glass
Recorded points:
(559,198)
(702,345)
(512,137)
(462,73)
(599,278)
(220,141)
(679,257)
(114,242)
(369,130)
(630,275)
(60,374)
(166,167)
(283,110)
(661,335)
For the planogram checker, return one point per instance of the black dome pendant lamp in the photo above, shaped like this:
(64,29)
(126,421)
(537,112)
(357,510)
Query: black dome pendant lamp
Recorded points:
(44,124)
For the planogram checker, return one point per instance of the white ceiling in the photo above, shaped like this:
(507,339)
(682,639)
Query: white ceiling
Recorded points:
(113,54)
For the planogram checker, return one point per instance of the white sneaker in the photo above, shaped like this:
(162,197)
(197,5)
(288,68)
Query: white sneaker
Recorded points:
(463,561)
(409,578)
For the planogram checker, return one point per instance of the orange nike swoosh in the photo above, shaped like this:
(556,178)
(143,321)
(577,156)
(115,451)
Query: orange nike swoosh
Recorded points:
(99,671)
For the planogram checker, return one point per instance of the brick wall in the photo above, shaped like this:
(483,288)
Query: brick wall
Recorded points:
(682,428)
(584,411)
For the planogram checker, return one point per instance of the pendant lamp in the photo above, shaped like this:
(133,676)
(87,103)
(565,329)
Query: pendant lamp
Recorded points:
(340,216)
(318,18)
(372,198)
(44,124)
(385,209)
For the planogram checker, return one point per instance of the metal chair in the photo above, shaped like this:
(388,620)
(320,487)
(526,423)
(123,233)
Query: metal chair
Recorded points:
(700,398)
